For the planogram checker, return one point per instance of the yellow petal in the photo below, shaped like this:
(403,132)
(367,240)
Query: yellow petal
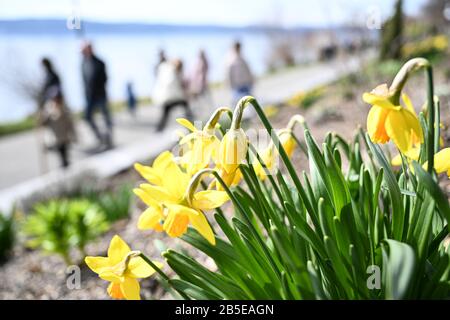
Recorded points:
(117,250)
(157,193)
(376,120)
(200,223)
(98,264)
(442,160)
(209,199)
(115,291)
(130,289)
(148,173)
(379,101)
(288,143)
(175,181)
(397,160)
(138,268)
(413,153)
(408,103)
(110,276)
(403,128)
(145,197)
(162,160)
(150,218)
(187,124)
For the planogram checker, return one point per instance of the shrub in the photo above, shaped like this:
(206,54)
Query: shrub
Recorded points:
(59,225)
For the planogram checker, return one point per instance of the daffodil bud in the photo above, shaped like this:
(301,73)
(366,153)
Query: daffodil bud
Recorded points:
(211,124)
(402,76)
(233,149)
(239,111)
(298,118)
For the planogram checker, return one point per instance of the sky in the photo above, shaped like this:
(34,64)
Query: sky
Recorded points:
(285,13)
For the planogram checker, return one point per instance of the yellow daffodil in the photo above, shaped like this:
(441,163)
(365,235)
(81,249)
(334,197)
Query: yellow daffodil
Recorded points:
(122,267)
(387,121)
(172,209)
(441,161)
(233,150)
(202,146)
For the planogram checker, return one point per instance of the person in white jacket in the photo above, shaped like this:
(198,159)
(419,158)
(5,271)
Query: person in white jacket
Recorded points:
(170,90)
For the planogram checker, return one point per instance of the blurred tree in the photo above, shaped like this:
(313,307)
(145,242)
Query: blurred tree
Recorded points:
(392,34)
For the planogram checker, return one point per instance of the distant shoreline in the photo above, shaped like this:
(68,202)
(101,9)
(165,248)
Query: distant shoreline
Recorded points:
(59,26)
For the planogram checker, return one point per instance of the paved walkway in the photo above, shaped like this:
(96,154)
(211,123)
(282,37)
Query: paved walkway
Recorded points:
(25,168)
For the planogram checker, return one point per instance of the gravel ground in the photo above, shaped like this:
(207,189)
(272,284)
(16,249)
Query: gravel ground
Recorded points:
(33,275)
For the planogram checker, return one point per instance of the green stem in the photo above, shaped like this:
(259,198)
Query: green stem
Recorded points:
(287,162)
(431,120)
(437,126)
(162,274)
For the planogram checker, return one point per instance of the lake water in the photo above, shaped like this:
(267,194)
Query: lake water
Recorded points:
(129,57)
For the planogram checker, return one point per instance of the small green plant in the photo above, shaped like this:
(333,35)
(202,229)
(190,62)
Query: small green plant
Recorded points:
(59,225)
(88,221)
(6,235)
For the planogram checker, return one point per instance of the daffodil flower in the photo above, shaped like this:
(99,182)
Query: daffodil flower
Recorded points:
(172,209)
(441,162)
(387,121)
(122,267)
(203,145)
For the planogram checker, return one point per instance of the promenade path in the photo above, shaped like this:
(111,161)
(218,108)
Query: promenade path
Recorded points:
(25,169)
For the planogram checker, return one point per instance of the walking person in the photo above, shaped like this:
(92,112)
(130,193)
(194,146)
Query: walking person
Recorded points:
(238,73)
(57,117)
(94,80)
(198,85)
(170,91)
(51,80)
(161,59)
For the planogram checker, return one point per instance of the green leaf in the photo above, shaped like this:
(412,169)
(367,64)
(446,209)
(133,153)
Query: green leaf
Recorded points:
(398,271)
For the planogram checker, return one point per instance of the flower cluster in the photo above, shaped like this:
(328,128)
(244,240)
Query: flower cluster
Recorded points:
(180,189)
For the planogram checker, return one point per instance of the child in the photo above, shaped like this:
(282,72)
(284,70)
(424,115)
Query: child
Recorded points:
(131,100)
(56,116)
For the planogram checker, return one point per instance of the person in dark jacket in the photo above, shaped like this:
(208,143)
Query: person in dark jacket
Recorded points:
(51,82)
(94,80)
